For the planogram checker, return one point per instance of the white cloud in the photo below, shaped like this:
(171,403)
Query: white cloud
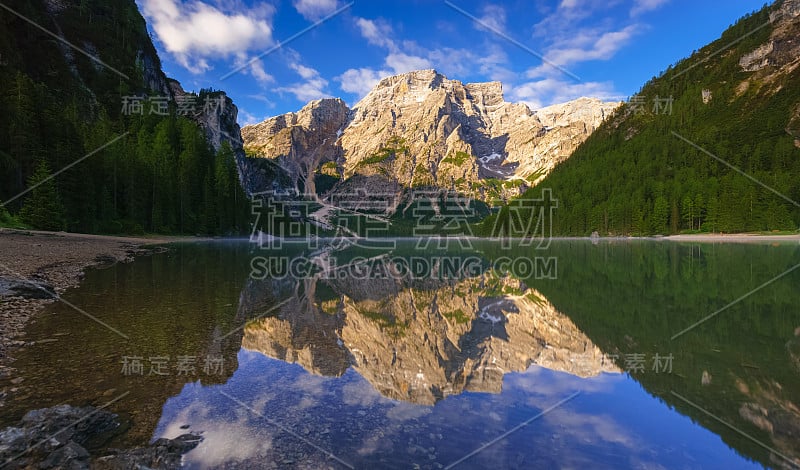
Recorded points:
(602,47)
(269,103)
(376,32)
(540,93)
(308,91)
(398,59)
(306,72)
(494,16)
(247,119)
(315,10)
(360,81)
(546,84)
(581,31)
(195,32)
(454,63)
(234,438)
(405,56)
(257,71)
(493,64)
(312,88)
(254,67)
(577,32)
(593,429)
(643,6)
(564,21)
(401,62)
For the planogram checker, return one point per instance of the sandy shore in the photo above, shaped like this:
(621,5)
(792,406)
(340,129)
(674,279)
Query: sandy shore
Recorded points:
(46,264)
(733,238)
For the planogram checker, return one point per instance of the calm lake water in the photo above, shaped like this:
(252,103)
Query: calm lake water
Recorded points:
(577,355)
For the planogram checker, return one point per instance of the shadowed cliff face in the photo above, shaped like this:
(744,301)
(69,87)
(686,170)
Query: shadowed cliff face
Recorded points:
(421,129)
(421,341)
(301,142)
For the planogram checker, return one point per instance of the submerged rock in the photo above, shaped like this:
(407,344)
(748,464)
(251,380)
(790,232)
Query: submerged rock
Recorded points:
(66,437)
(163,454)
(56,437)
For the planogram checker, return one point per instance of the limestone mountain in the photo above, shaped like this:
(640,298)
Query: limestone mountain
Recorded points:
(302,141)
(423,130)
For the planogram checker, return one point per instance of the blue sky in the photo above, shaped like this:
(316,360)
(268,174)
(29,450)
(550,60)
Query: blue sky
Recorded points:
(599,48)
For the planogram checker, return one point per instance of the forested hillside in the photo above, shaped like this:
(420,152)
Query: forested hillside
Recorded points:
(652,168)
(147,169)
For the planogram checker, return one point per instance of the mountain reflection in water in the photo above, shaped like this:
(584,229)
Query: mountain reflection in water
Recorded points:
(396,371)
(423,340)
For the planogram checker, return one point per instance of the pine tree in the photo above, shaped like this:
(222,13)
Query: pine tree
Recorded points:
(42,208)
(660,214)
(687,208)
(225,186)
(22,129)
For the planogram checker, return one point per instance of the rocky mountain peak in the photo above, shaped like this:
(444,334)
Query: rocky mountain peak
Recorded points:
(486,93)
(416,86)
(318,113)
(788,9)
(779,53)
(589,110)
(774,61)
(433,131)
(416,79)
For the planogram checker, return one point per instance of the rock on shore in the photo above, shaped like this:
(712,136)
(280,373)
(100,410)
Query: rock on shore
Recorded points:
(66,437)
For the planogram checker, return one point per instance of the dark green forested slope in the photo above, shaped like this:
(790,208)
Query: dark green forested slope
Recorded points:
(58,105)
(636,175)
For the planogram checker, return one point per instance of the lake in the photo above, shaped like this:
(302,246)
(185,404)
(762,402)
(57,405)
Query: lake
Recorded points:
(406,354)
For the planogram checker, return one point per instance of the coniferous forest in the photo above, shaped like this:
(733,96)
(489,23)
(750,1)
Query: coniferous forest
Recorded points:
(650,170)
(118,172)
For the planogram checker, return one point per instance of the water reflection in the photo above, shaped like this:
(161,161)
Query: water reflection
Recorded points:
(601,428)
(396,371)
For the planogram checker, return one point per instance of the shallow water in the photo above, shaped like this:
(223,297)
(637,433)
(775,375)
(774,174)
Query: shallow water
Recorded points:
(472,356)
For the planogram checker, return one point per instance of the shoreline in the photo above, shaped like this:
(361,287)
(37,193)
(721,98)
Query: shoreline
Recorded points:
(732,237)
(702,237)
(49,263)
(36,267)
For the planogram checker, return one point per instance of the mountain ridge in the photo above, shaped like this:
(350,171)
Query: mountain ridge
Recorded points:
(432,132)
